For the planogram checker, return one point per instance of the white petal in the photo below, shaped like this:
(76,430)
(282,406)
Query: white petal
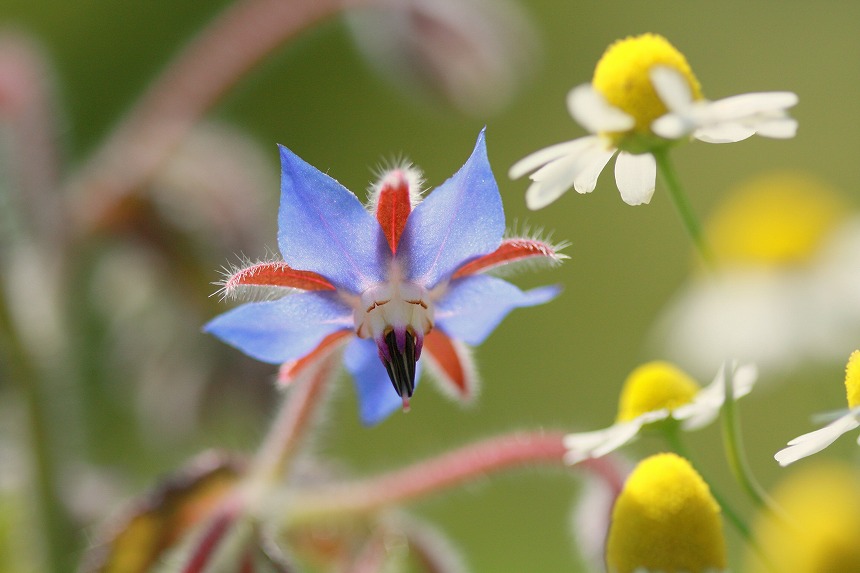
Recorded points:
(744,106)
(813,442)
(636,177)
(782,128)
(587,178)
(543,156)
(724,133)
(673,126)
(598,443)
(539,195)
(553,179)
(591,110)
(706,405)
(672,87)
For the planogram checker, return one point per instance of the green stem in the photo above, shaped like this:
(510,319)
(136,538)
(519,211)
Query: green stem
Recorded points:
(682,204)
(733,444)
(673,439)
(59,537)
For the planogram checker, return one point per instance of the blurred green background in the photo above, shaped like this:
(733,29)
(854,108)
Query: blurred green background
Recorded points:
(558,366)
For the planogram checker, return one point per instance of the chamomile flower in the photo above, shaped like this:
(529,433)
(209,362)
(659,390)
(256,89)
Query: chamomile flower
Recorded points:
(822,504)
(654,392)
(666,521)
(813,442)
(783,290)
(644,97)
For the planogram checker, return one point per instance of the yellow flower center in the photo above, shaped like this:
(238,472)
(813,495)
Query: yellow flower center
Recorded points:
(665,520)
(654,386)
(778,219)
(622,76)
(852,379)
(822,505)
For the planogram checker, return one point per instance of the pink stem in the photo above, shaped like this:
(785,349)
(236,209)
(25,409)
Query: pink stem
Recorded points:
(289,428)
(442,472)
(213,535)
(197,78)
(26,104)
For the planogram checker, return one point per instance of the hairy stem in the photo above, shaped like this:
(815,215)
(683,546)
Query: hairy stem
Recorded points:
(293,420)
(433,475)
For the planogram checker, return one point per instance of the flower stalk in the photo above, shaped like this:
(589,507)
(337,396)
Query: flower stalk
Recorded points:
(682,205)
(59,538)
(436,474)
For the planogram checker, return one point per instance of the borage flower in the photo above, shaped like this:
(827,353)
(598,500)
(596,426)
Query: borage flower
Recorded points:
(813,442)
(644,97)
(656,392)
(406,277)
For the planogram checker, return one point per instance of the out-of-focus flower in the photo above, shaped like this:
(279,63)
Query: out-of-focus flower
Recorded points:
(643,97)
(785,287)
(666,521)
(654,392)
(814,442)
(817,530)
(473,54)
(405,277)
(592,513)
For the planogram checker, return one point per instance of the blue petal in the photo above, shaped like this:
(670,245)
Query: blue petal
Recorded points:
(377,398)
(460,220)
(281,330)
(322,227)
(475,305)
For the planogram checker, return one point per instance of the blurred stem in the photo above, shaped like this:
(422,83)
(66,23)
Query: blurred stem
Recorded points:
(436,474)
(293,421)
(193,82)
(733,443)
(672,436)
(682,204)
(59,536)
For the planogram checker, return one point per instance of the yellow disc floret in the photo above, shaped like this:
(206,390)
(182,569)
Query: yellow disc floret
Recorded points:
(622,76)
(852,379)
(816,531)
(777,219)
(665,520)
(655,386)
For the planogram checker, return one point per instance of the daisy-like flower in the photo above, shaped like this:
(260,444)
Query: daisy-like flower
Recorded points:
(643,97)
(403,278)
(784,288)
(822,503)
(654,392)
(813,442)
(665,521)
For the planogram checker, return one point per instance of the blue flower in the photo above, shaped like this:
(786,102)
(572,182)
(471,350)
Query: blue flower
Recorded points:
(405,276)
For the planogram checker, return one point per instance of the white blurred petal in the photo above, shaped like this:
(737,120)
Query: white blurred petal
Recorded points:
(546,155)
(672,87)
(724,133)
(636,177)
(586,181)
(740,107)
(585,445)
(591,110)
(554,179)
(673,126)
(781,128)
(706,405)
(814,442)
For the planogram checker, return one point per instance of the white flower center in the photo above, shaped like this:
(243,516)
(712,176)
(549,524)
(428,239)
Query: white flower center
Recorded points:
(395,306)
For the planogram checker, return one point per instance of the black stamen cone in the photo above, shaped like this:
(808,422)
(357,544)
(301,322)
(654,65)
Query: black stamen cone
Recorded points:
(401,368)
